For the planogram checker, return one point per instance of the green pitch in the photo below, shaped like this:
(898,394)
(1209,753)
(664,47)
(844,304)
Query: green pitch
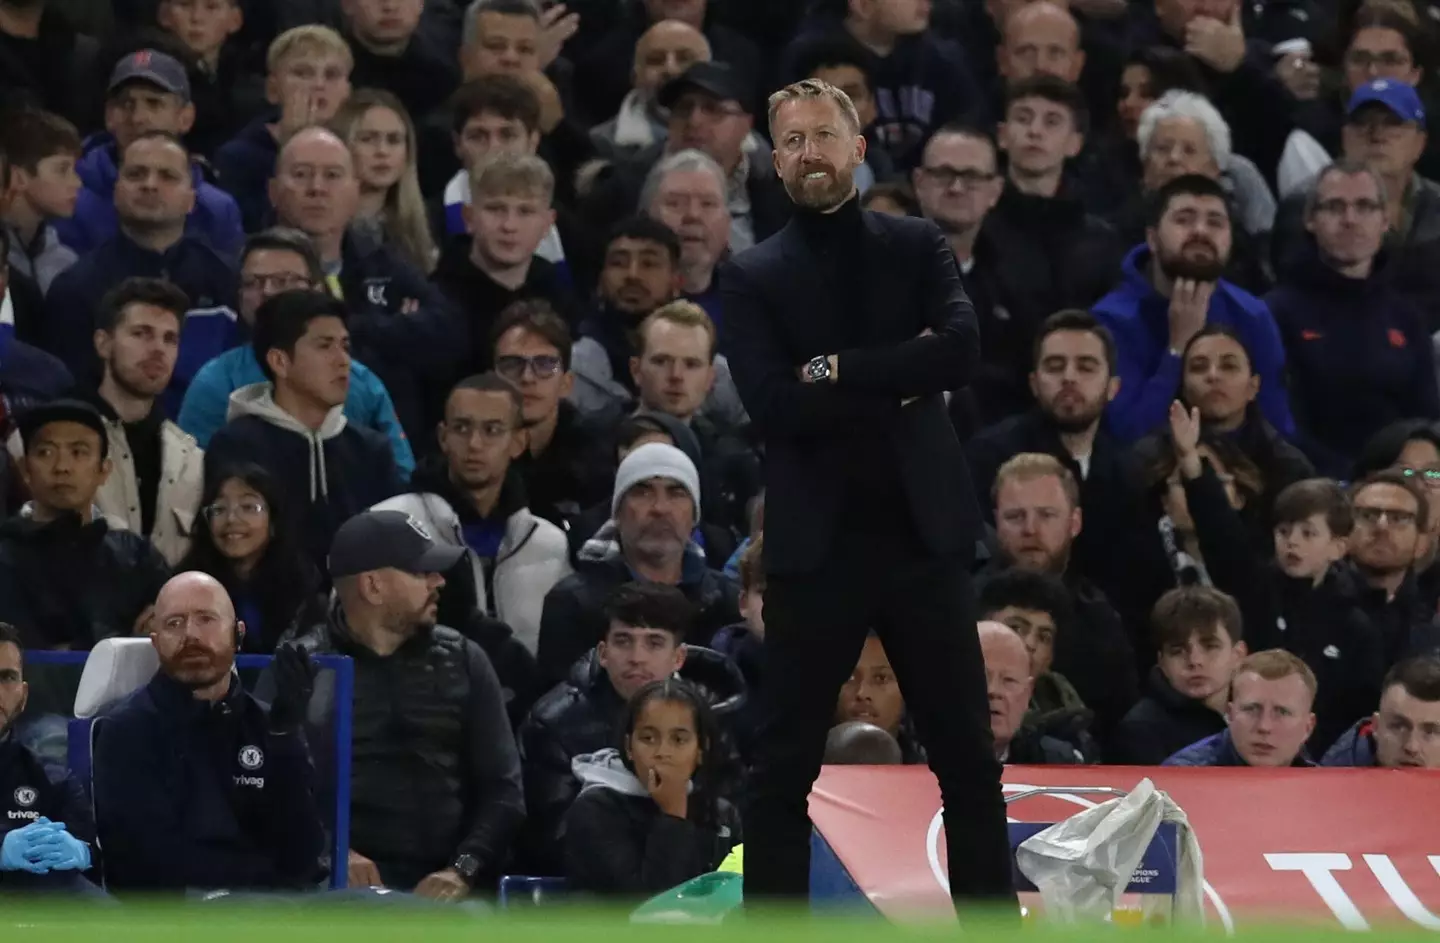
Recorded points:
(367,923)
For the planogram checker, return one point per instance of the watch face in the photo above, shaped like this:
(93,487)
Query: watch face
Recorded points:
(818,369)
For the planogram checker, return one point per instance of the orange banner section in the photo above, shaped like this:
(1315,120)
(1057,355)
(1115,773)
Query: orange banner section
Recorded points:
(1359,847)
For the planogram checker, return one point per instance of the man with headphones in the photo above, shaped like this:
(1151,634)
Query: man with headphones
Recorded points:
(197,784)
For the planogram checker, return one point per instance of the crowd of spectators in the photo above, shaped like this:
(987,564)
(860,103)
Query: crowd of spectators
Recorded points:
(393,329)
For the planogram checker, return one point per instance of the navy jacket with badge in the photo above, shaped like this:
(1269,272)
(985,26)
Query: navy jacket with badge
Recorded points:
(401,326)
(209,281)
(194,794)
(27,793)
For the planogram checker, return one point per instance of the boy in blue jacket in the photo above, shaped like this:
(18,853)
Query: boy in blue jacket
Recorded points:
(1169,289)
(148,91)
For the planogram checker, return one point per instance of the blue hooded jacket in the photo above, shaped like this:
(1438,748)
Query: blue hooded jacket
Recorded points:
(1219,750)
(215,218)
(1356,747)
(1139,318)
(366,404)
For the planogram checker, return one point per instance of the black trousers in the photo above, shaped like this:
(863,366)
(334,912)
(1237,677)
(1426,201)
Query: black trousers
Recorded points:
(815,626)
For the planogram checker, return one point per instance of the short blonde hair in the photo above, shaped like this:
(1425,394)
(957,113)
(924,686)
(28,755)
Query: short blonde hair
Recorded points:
(1027,466)
(810,89)
(684,314)
(513,175)
(307,39)
(1276,663)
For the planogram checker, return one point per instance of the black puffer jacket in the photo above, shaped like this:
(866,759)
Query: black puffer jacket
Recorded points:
(435,771)
(574,619)
(583,715)
(24,777)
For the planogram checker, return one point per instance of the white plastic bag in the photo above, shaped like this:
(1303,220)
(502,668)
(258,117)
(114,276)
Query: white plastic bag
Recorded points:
(1083,864)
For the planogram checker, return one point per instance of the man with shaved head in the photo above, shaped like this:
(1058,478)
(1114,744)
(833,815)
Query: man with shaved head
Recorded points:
(197,784)
(401,326)
(664,51)
(1041,39)
(1009,684)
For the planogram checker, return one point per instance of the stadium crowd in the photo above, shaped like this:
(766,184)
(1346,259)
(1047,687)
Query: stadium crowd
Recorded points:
(395,329)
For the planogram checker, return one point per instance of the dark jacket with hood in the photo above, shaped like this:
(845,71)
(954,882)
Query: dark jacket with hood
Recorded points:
(331,473)
(210,282)
(42,564)
(1354,747)
(45,793)
(575,470)
(617,841)
(1161,723)
(1360,356)
(574,619)
(1323,624)
(583,715)
(435,773)
(244,166)
(190,794)
(226,99)
(1219,750)
(1407,624)
(215,218)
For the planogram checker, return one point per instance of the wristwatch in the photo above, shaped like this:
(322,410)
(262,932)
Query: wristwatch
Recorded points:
(467,866)
(817,369)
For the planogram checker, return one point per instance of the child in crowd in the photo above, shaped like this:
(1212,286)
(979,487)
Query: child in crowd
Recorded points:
(1303,602)
(227,95)
(1199,643)
(647,817)
(42,149)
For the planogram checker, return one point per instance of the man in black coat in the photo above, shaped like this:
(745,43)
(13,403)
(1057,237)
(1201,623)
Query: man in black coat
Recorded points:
(844,330)
(196,784)
(435,786)
(36,855)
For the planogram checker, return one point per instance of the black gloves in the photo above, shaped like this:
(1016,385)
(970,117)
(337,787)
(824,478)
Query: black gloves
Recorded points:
(294,684)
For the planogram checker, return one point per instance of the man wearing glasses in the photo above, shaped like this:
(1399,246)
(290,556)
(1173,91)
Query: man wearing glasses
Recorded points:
(1389,513)
(1359,351)
(276,260)
(473,498)
(565,464)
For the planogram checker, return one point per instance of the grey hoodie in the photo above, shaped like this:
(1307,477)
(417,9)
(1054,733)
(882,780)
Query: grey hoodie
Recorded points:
(258,399)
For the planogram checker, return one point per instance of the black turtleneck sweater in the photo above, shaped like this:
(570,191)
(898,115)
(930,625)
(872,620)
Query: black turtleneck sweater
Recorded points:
(874,495)
(146,455)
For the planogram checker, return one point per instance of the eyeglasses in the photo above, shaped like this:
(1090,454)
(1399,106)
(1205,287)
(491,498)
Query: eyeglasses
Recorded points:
(1373,516)
(1366,60)
(283,281)
(947,177)
(1429,477)
(1339,207)
(245,510)
(513,367)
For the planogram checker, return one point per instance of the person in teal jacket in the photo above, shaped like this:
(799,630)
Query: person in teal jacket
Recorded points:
(273,261)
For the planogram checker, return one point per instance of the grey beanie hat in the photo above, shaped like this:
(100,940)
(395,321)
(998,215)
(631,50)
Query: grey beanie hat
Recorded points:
(656,460)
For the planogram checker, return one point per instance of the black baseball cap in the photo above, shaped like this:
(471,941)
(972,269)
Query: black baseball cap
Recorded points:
(32,420)
(714,78)
(388,540)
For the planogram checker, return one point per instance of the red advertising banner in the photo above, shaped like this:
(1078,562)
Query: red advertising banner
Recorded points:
(1360,847)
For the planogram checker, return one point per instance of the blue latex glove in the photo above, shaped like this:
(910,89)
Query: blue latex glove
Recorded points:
(25,849)
(65,852)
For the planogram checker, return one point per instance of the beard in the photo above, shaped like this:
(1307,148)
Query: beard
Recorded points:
(1178,265)
(135,383)
(193,671)
(1073,415)
(824,194)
